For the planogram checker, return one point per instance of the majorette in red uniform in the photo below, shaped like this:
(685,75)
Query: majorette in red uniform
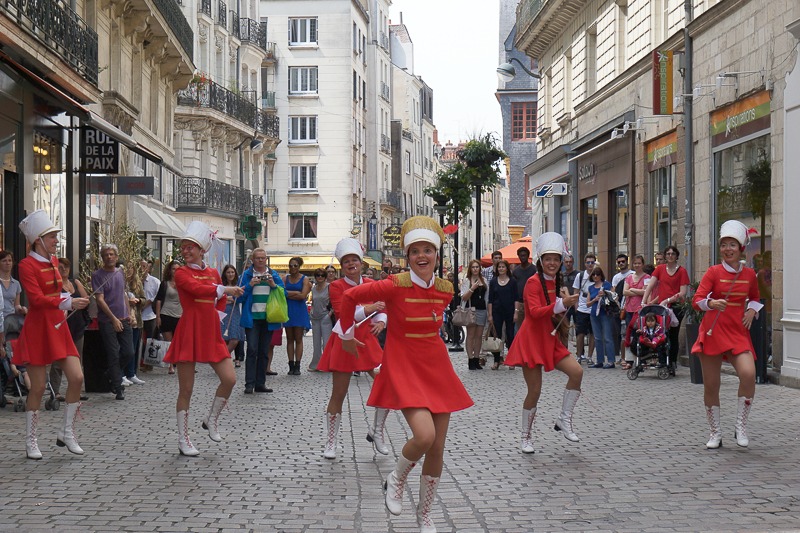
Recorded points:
(728,293)
(538,346)
(417,375)
(342,364)
(198,338)
(45,337)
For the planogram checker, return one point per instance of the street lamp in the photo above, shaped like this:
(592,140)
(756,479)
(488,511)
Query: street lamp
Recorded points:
(441,208)
(506,72)
(274,216)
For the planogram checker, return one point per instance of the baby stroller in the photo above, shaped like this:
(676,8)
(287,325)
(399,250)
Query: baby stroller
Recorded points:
(20,391)
(646,356)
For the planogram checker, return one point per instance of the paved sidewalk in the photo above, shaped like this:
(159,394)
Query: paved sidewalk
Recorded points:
(641,464)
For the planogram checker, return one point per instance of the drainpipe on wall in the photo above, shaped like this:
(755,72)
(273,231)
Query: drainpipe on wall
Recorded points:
(688,224)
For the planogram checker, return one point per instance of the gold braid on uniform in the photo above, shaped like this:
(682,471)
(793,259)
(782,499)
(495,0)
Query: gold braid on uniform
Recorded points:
(404,280)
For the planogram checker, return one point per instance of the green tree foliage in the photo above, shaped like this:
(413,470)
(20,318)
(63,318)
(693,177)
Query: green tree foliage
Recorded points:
(758,188)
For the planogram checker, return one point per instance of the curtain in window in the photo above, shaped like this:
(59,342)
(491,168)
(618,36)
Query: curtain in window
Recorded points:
(312,226)
(297,228)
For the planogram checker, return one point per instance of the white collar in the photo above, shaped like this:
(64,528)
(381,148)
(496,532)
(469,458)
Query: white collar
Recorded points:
(416,280)
(625,272)
(197,267)
(548,278)
(38,257)
(353,283)
(730,269)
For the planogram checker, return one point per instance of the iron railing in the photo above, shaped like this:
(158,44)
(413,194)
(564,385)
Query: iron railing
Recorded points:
(222,14)
(234,18)
(268,99)
(176,22)
(60,29)
(269,198)
(206,93)
(385,91)
(196,194)
(270,48)
(251,31)
(384,41)
(527,11)
(386,144)
(204,7)
(391,199)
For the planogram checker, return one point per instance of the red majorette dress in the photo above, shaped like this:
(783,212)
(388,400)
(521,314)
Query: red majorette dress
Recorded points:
(533,345)
(198,338)
(728,334)
(416,370)
(40,343)
(334,358)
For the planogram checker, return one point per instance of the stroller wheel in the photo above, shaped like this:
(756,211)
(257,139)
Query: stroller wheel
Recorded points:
(56,405)
(633,373)
(3,401)
(663,373)
(19,405)
(48,404)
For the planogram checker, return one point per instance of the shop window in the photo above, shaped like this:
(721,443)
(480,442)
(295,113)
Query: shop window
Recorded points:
(589,226)
(303,225)
(619,222)
(664,205)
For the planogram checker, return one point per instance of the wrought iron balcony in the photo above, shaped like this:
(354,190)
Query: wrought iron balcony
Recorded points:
(271,57)
(234,18)
(527,11)
(386,144)
(204,195)
(204,7)
(384,41)
(176,22)
(269,198)
(251,31)
(384,91)
(222,14)
(60,29)
(268,100)
(392,199)
(205,93)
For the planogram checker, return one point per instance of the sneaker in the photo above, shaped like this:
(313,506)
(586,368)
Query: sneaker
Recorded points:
(137,381)
(126,382)
(609,365)
(248,390)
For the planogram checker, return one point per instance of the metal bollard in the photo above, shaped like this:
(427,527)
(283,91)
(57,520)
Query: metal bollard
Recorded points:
(758,334)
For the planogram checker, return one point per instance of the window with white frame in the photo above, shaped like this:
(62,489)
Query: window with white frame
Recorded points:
(407,162)
(303,80)
(303,225)
(304,177)
(303,130)
(303,31)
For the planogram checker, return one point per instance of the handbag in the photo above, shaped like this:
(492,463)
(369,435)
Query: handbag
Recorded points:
(154,352)
(464,316)
(492,344)
(277,309)
(609,303)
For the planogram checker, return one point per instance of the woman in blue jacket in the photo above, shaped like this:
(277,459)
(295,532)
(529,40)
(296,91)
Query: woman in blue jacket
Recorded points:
(602,325)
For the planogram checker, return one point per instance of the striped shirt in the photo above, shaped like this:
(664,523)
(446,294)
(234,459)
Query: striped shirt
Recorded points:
(260,297)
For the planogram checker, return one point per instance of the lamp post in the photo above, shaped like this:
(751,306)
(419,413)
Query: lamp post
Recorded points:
(441,208)
(506,71)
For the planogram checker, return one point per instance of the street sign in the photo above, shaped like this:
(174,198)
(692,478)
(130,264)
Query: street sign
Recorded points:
(551,189)
(120,185)
(250,227)
(559,189)
(99,152)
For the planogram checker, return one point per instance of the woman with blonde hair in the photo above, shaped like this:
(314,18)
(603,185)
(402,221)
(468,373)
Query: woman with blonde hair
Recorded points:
(473,295)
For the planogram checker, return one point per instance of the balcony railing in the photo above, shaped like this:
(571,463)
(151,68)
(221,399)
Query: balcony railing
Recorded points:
(527,11)
(384,41)
(251,31)
(222,14)
(384,91)
(386,144)
(60,29)
(204,7)
(206,93)
(270,48)
(391,199)
(269,198)
(206,195)
(268,99)
(173,16)
(234,18)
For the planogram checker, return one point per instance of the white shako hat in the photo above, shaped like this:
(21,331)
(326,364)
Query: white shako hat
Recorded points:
(347,247)
(735,230)
(37,224)
(199,233)
(421,229)
(550,243)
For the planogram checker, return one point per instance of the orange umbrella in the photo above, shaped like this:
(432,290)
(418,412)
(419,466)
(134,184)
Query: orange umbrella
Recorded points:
(510,252)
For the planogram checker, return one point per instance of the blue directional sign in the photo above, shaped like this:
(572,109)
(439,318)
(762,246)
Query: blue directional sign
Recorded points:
(545,191)
(559,189)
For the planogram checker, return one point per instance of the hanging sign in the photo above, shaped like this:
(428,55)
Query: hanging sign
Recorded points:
(99,152)
(662,82)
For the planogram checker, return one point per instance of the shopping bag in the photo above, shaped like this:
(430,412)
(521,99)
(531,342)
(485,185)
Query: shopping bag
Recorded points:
(154,352)
(464,316)
(277,310)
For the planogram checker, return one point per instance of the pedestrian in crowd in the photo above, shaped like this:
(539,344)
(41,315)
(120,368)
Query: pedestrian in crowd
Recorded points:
(618,284)
(77,322)
(669,286)
(197,338)
(297,288)
(568,274)
(331,271)
(473,292)
(583,322)
(167,305)
(151,285)
(524,270)
(258,281)
(501,306)
(417,376)
(13,311)
(601,321)
(633,290)
(659,259)
(728,293)
(536,347)
(371,321)
(489,272)
(136,299)
(43,341)
(232,331)
(113,317)
(276,339)
(321,311)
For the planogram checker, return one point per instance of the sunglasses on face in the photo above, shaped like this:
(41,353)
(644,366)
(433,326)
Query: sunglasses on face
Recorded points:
(621,262)
(590,262)
(294,266)
(319,275)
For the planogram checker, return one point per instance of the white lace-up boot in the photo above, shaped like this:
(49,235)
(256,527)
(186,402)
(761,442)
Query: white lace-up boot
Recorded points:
(528,417)
(211,423)
(395,484)
(185,446)
(332,421)
(375,433)
(427,494)
(31,445)
(66,437)
(564,420)
(715,438)
(741,421)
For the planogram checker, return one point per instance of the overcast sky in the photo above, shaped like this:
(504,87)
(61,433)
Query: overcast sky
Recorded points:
(455,52)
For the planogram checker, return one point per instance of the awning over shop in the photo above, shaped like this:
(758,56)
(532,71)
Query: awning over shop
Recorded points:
(311,262)
(152,221)
(174,226)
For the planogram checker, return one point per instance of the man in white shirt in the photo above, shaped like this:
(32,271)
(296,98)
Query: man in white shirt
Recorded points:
(488,272)
(151,284)
(583,325)
(618,284)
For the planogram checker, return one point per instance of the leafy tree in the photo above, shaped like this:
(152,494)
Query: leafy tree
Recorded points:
(757,189)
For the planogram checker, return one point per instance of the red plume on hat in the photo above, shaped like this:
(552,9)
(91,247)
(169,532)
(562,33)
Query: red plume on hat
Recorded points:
(450,229)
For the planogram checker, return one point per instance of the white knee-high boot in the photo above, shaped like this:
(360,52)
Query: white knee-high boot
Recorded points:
(375,433)
(332,422)
(427,494)
(741,421)
(528,418)
(211,423)
(715,438)
(185,445)
(395,484)
(564,420)
(31,444)
(66,437)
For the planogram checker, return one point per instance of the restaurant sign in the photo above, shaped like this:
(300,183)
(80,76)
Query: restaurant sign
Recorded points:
(740,119)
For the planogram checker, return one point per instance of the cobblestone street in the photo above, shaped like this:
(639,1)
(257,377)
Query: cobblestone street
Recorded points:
(641,464)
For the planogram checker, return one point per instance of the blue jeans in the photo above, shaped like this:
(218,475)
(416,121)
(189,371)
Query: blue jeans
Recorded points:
(118,346)
(130,368)
(603,330)
(255,365)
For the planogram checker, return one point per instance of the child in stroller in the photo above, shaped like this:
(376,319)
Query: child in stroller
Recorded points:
(652,338)
(648,341)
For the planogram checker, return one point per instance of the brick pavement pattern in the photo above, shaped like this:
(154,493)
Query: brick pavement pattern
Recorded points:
(641,464)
